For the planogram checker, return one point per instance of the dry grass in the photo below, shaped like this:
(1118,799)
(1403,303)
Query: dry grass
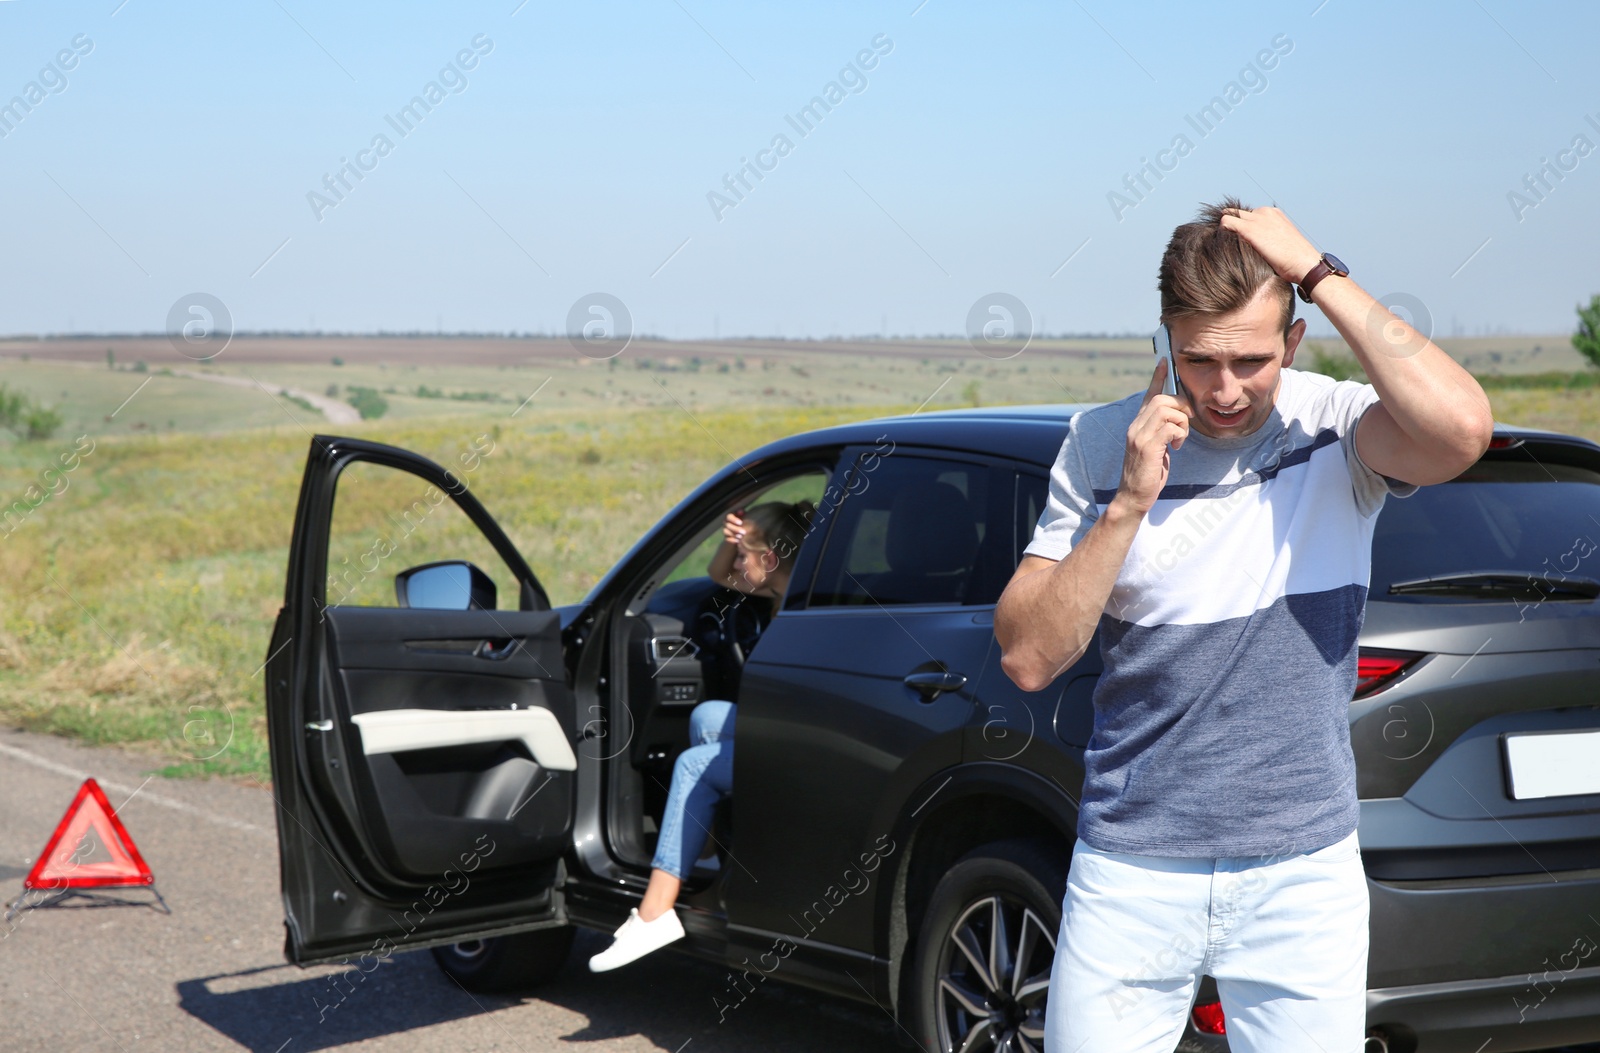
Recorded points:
(1574,412)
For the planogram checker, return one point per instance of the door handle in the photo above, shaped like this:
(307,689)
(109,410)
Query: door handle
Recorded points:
(497,651)
(930,685)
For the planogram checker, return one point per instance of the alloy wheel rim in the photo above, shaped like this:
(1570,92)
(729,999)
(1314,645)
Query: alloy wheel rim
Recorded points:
(994,977)
(467,950)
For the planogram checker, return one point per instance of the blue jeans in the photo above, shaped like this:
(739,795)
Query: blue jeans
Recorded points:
(701,776)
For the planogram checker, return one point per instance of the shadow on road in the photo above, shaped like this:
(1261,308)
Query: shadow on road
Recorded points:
(666,999)
(267,1009)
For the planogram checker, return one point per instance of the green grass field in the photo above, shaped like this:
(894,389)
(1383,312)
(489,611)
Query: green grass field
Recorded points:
(138,589)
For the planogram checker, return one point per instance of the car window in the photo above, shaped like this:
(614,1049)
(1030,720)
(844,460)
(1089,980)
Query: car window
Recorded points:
(918,531)
(1498,516)
(385,521)
(807,487)
(1032,493)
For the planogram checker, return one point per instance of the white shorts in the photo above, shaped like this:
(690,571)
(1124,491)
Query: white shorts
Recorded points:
(1285,938)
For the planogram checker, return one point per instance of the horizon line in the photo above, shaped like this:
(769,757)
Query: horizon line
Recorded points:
(475,334)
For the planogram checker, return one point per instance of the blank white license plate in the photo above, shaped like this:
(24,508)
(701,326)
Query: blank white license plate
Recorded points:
(1555,764)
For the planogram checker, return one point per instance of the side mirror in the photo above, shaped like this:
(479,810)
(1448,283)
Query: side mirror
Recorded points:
(450,586)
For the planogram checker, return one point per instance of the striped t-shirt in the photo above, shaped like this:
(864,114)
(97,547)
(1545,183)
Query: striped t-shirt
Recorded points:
(1229,639)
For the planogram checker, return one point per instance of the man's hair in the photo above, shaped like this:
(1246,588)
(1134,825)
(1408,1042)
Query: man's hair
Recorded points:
(1209,270)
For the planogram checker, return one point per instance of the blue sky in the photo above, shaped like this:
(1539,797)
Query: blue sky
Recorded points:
(976,156)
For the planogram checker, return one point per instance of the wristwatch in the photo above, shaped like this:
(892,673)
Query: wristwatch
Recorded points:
(1329,264)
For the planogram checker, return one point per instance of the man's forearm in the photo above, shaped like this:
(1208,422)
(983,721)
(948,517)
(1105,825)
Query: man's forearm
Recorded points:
(1430,396)
(1045,619)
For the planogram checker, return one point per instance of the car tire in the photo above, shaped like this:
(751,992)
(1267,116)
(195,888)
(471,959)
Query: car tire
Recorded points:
(954,1002)
(503,964)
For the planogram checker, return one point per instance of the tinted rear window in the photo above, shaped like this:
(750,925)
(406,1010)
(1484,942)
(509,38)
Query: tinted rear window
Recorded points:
(1539,519)
(919,532)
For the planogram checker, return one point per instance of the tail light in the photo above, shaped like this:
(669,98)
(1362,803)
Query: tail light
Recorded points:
(1375,669)
(1504,442)
(1208,1018)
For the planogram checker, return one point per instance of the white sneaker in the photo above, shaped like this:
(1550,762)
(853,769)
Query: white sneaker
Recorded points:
(637,938)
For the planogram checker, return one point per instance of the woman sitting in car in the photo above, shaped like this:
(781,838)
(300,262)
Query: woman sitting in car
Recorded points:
(756,557)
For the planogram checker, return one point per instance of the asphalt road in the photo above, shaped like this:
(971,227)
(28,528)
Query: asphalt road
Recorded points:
(211,975)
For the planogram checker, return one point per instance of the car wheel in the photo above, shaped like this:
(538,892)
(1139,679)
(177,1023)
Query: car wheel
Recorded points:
(981,970)
(506,963)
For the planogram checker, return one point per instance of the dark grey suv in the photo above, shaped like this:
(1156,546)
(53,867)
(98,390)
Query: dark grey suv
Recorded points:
(481,776)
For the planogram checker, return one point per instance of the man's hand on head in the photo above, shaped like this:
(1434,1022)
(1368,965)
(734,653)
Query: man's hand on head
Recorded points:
(1271,233)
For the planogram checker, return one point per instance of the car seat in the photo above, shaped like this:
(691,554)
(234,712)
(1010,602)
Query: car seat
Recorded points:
(930,543)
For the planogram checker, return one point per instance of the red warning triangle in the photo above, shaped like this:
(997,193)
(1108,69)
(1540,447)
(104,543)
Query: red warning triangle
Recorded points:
(90,848)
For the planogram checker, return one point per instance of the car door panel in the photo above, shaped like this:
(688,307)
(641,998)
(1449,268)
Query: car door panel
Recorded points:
(405,730)
(827,756)
(832,737)
(448,772)
(428,640)
(422,759)
(1044,731)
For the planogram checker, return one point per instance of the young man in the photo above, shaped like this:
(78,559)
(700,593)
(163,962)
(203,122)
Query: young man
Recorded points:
(1221,542)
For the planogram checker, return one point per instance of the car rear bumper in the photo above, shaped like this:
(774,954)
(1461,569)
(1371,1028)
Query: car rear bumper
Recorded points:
(1508,1013)
(1514,958)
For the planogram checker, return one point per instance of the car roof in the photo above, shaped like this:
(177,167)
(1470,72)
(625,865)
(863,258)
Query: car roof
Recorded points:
(1030,433)
(1026,433)
(1053,411)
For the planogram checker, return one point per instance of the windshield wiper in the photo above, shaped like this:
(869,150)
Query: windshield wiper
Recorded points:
(1500,585)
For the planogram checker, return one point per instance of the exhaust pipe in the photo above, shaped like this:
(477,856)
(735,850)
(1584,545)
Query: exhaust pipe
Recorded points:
(1377,1042)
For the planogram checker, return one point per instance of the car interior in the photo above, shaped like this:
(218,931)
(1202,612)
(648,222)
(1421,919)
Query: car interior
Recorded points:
(914,536)
(682,641)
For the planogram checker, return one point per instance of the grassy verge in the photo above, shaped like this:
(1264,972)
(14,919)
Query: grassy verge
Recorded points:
(1576,412)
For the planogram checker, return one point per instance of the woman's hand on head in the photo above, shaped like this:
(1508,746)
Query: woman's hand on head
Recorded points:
(733,526)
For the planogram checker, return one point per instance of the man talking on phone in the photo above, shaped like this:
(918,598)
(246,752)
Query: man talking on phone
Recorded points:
(1220,539)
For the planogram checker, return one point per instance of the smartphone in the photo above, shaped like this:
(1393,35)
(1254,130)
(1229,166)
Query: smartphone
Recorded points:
(1163,345)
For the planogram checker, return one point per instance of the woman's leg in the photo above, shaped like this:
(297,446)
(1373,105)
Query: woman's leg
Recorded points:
(660,896)
(711,721)
(700,777)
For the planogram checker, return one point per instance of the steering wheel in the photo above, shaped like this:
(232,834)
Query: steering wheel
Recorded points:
(728,626)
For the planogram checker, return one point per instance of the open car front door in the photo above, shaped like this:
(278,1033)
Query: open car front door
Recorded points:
(421,738)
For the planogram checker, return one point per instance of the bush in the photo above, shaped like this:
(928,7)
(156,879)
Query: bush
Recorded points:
(367,401)
(26,418)
(40,422)
(286,395)
(1587,338)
